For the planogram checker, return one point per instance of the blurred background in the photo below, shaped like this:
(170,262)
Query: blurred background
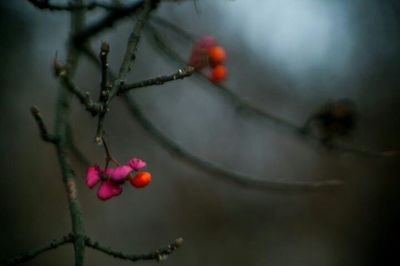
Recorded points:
(287,57)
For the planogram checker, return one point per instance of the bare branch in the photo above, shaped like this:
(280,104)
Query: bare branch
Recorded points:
(46,5)
(130,53)
(219,171)
(29,255)
(180,74)
(104,86)
(246,107)
(203,165)
(159,254)
(129,58)
(106,22)
(62,127)
(42,127)
(62,73)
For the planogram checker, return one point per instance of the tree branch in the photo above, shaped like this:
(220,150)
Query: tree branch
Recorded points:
(62,73)
(107,21)
(61,130)
(180,74)
(29,255)
(46,5)
(159,254)
(42,127)
(129,58)
(203,165)
(244,106)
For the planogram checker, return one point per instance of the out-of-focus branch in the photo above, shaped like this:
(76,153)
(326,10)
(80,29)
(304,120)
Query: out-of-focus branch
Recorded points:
(244,106)
(70,6)
(29,255)
(42,127)
(75,151)
(106,22)
(160,254)
(180,74)
(61,128)
(203,165)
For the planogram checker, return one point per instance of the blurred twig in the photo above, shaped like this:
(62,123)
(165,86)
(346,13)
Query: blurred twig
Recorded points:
(243,105)
(37,251)
(106,22)
(70,6)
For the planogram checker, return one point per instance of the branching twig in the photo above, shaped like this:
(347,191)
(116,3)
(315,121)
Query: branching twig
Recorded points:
(180,74)
(42,127)
(129,58)
(245,106)
(203,165)
(37,251)
(159,254)
(62,73)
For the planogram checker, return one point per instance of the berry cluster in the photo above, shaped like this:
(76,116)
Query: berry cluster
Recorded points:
(206,52)
(111,179)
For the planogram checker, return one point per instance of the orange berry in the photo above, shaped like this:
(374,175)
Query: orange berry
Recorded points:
(216,55)
(141,179)
(218,74)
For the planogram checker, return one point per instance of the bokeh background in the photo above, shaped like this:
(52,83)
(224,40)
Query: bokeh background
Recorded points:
(287,57)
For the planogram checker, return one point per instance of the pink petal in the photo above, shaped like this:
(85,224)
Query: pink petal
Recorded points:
(206,42)
(107,190)
(119,174)
(93,176)
(137,164)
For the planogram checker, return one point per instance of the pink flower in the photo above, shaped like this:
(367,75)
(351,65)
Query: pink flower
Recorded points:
(110,178)
(137,164)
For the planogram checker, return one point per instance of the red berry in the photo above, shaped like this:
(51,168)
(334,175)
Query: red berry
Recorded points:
(218,74)
(216,56)
(141,179)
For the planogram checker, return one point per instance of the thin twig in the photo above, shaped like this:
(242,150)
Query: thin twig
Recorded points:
(159,254)
(62,73)
(180,74)
(26,256)
(104,86)
(131,48)
(203,165)
(245,106)
(42,127)
(46,5)
(129,58)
